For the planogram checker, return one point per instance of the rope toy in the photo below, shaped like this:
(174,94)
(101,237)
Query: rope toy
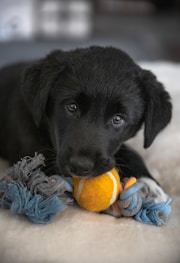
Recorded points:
(27,190)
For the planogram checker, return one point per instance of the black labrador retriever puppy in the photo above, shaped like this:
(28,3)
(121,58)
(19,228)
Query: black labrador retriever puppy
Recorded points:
(78,108)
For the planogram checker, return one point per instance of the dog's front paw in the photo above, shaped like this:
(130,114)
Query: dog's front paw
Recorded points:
(150,190)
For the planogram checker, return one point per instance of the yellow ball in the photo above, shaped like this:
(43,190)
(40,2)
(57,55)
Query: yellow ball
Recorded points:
(97,193)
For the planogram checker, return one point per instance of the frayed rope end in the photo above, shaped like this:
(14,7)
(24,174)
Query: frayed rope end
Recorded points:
(153,213)
(20,201)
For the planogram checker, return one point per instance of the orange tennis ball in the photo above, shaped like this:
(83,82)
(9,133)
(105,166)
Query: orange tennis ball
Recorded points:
(97,193)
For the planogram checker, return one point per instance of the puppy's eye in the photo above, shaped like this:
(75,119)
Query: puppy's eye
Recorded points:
(71,107)
(117,121)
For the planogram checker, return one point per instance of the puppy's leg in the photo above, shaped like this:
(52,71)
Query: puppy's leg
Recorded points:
(131,164)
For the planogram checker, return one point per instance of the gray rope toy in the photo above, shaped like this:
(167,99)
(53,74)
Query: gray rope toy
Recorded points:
(27,190)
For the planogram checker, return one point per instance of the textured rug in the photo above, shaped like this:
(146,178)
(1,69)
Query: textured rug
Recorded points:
(80,236)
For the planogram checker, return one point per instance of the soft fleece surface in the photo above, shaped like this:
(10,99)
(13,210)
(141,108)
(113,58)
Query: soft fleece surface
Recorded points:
(80,236)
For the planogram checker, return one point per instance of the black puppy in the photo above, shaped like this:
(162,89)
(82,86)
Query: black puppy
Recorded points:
(78,108)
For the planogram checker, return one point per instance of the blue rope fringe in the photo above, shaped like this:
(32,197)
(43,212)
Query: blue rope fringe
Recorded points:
(150,212)
(21,201)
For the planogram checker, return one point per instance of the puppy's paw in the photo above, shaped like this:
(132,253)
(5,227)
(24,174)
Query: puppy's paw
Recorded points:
(150,190)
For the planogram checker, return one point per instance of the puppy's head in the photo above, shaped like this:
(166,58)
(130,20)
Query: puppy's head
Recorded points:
(93,100)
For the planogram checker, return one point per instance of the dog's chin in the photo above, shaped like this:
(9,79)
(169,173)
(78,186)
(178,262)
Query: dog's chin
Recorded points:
(66,172)
(100,167)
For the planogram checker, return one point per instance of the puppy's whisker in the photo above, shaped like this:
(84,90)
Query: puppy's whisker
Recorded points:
(50,163)
(123,165)
(50,160)
(43,150)
(50,171)
(119,159)
(121,162)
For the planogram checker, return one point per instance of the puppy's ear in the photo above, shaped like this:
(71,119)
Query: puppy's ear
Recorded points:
(37,81)
(158,108)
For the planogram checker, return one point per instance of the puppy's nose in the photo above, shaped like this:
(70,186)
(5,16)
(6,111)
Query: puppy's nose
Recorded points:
(81,165)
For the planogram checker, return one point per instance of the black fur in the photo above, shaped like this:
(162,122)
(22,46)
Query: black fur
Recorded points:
(78,108)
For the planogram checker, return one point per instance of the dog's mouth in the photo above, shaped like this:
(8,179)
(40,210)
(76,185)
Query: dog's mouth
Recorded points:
(70,174)
(92,170)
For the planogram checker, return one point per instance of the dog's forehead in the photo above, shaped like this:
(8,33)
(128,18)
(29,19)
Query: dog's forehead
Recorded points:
(104,64)
(100,82)
(100,86)
(107,84)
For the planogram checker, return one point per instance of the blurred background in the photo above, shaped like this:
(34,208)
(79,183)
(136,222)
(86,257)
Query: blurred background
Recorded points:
(148,30)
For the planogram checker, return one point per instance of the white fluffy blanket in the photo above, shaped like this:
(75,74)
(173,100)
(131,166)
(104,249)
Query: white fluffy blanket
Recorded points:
(80,236)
